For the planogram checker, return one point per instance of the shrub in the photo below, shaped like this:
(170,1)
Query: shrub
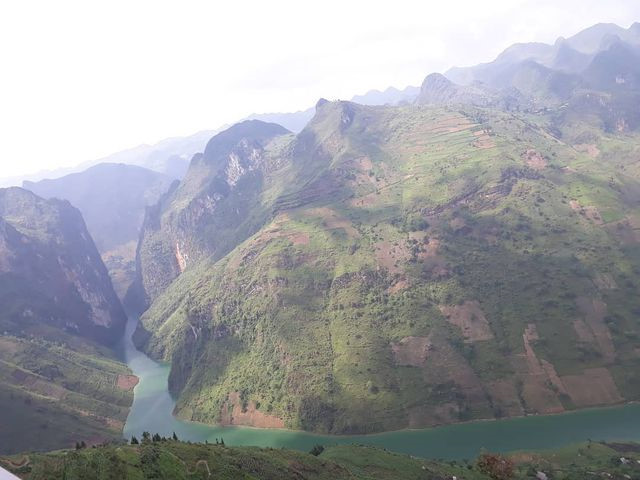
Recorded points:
(496,466)
(316,450)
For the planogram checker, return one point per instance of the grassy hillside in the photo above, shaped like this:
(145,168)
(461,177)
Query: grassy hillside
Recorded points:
(417,266)
(176,460)
(58,392)
(58,382)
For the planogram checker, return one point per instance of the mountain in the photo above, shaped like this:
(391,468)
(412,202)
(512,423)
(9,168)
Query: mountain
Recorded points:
(170,459)
(169,157)
(570,56)
(216,205)
(390,96)
(112,199)
(294,121)
(57,380)
(398,267)
(439,90)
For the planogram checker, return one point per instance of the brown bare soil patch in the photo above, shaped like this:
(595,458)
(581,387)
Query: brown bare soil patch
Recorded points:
(589,148)
(232,414)
(504,395)
(299,238)
(590,213)
(401,284)
(23,462)
(127,382)
(470,319)
(364,164)
(531,333)
(534,160)
(536,377)
(533,364)
(445,365)
(553,377)
(605,281)
(8,347)
(594,312)
(594,387)
(333,220)
(583,331)
(411,351)
(537,395)
(483,140)
(391,256)
(365,201)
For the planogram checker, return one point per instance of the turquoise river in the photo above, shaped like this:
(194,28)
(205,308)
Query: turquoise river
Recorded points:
(153,406)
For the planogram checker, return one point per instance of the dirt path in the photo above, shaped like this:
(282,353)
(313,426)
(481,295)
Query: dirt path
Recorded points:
(25,461)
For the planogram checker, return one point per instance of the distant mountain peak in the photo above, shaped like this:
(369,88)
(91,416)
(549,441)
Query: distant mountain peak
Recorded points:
(255,130)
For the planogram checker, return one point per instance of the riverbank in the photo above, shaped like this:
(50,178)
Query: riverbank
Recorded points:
(153,407)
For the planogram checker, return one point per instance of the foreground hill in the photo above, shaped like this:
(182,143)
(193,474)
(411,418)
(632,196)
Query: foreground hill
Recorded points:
(394,267)
(112,199)
(176,460)
(57,383)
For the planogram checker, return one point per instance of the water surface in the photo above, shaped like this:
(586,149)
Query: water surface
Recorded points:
(153,406)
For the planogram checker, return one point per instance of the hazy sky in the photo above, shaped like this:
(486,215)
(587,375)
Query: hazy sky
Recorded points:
(80,80)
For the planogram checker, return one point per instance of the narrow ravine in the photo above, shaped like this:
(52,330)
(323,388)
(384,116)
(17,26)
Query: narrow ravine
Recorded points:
(153,406)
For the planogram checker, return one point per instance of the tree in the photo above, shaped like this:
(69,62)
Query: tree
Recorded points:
(221,441)
(146,436)
(134,440)
(175,437)
(82,444)
(156,437)
(316,450)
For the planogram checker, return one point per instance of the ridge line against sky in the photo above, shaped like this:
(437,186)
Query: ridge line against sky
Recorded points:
(85,79)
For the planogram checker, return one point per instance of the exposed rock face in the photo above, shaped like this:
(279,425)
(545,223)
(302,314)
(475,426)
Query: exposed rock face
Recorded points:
(439,90)
(112,198)
(51,271)
(190,221)
(395,267)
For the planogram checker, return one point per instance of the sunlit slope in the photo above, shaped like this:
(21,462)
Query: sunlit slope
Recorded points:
(415,266)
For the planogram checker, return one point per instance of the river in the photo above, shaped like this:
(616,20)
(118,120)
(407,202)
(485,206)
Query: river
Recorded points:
(153,406)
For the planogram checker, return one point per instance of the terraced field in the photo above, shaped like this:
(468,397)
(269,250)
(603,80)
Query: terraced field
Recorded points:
(429,265)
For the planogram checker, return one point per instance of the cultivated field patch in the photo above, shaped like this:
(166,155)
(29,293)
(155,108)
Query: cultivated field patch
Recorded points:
(470,319)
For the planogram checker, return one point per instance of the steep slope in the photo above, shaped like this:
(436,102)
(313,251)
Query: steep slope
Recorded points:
(57,384)
(213,208)
(436,89)
(416,266)
(112,199)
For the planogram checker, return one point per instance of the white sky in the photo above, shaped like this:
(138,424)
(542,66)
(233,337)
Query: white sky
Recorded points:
(82,79)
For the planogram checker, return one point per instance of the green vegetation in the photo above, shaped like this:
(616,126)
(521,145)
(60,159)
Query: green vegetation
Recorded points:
(53,394)
(59,382)
(169,459)
(426,266)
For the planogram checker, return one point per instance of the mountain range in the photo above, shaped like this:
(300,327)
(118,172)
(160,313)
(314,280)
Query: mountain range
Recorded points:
(469,256)
(466,250)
